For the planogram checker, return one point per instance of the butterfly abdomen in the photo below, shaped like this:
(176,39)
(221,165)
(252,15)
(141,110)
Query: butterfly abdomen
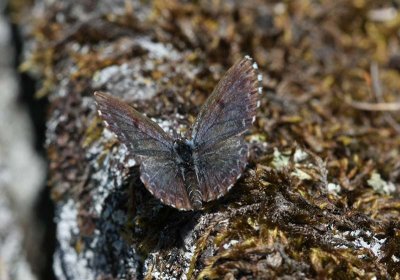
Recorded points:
(192,189)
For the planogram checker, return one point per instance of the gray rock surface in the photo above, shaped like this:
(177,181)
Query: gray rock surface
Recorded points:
(22,171)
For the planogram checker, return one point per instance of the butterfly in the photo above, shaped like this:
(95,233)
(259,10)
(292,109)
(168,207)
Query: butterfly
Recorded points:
(185,172)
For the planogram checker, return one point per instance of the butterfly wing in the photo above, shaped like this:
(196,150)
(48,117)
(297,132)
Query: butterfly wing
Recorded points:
(162,178)
(231,108)
(141,135)
(219,167)
(220,152)
(144,137)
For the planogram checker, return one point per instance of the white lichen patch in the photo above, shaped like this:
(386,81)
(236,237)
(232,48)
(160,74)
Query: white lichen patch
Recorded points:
(363,240)
(103,189)
(274,259)
(132,79)
(157,50)
(379,185)
(108,134)
(166,125)
(131,162)
(299,155)
(105,207)
(280,161)
(373,246)
(333,188)
(125,80)
(231,243)
(103,76)
(173,127)
(66,257)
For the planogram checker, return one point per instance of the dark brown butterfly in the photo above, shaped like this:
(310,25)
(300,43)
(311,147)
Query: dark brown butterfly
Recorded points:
(185,172)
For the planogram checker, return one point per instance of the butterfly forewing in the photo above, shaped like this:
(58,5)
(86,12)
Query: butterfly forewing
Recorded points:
(141,135)
(231,108)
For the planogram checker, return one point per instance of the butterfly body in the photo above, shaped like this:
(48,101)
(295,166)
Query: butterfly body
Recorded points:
(185,162)
(185,172)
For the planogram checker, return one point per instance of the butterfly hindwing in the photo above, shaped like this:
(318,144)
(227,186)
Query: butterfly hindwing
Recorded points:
(218,168)
(162,178)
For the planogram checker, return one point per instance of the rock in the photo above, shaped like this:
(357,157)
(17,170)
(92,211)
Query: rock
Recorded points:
(22,171)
